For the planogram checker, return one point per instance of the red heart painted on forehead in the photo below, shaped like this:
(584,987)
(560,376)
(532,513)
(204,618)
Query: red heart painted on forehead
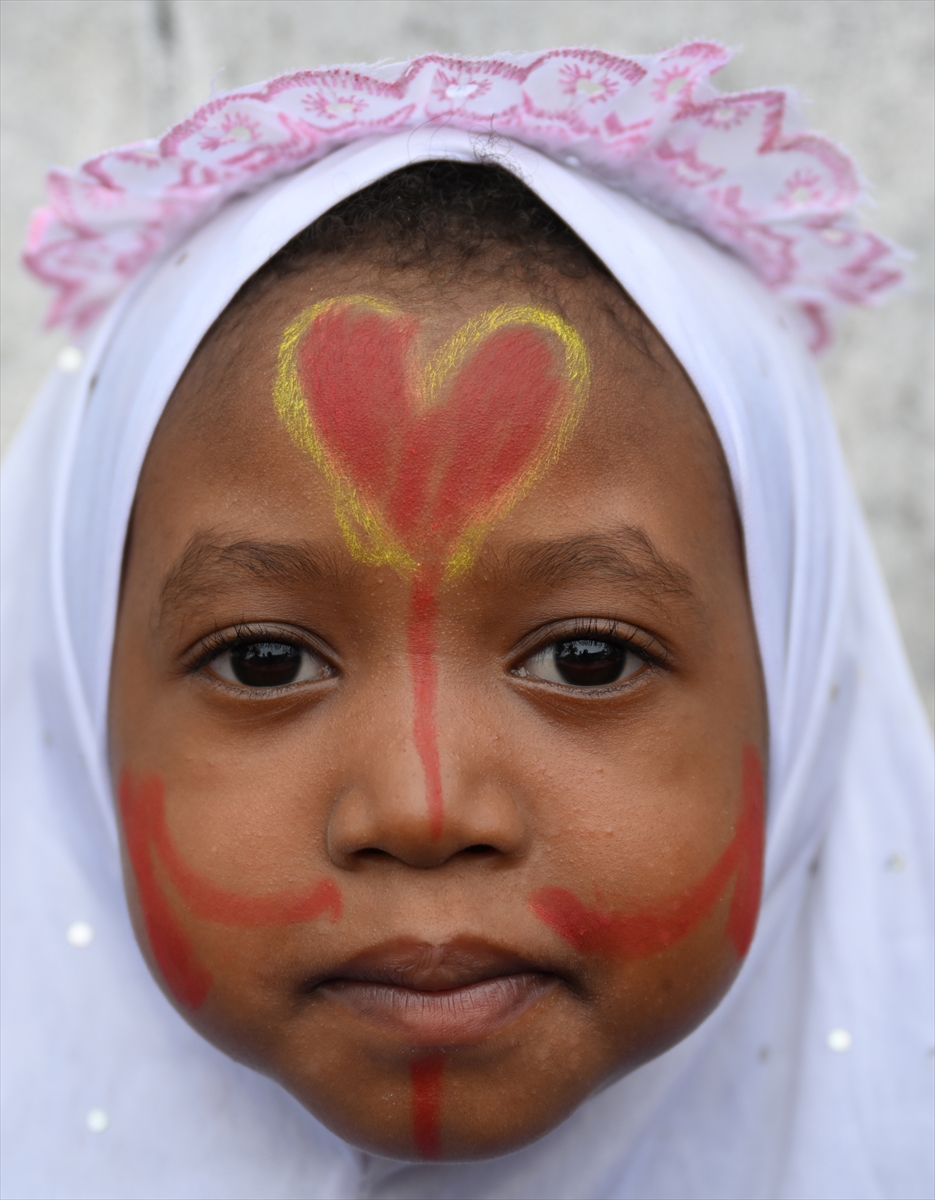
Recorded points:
(422,461)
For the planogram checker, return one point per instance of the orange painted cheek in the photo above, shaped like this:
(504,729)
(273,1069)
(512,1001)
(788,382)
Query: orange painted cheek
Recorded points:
(422,463)
(653,929)
(186,978)
(142,807)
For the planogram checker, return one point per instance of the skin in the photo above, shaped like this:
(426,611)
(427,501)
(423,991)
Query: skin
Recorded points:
(240,805)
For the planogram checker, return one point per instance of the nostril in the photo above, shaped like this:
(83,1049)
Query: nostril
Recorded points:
(375,854)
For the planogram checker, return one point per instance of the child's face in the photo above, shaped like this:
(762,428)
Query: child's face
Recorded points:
(437,717)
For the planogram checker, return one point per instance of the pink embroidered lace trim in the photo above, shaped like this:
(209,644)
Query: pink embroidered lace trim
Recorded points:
(740,168)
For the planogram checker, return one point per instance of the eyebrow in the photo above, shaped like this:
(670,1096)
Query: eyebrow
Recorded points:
(207,565)
(626,555)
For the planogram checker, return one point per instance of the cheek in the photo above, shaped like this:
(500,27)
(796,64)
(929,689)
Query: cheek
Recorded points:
(167,886)
(750,842)
(643,932)
(185,977)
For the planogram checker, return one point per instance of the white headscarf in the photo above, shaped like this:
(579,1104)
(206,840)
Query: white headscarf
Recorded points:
(812,1079)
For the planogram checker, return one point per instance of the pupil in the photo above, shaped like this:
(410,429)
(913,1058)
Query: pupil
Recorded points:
(588,663)
(266,664)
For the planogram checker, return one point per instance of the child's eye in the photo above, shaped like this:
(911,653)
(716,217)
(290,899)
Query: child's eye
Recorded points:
(268,664)
(583,662)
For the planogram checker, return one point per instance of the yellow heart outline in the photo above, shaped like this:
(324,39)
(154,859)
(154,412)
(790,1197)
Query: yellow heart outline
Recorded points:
(368,537)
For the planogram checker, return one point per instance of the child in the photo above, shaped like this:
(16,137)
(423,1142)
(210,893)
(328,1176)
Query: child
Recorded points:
(445,550)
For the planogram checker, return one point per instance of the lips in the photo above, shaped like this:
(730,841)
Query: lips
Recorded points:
(456,993)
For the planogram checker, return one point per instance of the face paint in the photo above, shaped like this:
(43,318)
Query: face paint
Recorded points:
(426,1098)
(144,821)
(424,687)
(187,980)
(423,461)
(652,929)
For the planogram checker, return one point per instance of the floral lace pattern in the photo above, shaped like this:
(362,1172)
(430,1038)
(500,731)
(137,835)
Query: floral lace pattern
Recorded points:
(740,168)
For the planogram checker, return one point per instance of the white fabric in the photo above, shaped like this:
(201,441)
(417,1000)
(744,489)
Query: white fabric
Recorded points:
(754,1103)
(741,167)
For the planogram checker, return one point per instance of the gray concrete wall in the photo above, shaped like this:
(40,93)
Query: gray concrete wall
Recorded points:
(81,75)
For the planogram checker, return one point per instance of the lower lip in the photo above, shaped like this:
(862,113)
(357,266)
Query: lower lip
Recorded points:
(455,1017)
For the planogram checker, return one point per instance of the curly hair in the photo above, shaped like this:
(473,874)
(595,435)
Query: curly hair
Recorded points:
(445,217)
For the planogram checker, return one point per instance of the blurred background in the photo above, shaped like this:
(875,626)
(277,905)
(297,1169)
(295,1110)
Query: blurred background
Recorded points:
(79,76)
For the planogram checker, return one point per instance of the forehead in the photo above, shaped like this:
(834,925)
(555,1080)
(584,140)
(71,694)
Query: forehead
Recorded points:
(642,431)
(636,384)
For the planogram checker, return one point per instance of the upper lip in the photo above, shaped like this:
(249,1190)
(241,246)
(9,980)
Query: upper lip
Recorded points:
(430,966)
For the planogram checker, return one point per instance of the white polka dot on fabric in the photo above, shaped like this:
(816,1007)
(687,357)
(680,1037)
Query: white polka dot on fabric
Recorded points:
(97,1120)
(839,1040)
(80,934)
(69,360)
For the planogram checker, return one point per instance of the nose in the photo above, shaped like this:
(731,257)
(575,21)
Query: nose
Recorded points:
(381,806)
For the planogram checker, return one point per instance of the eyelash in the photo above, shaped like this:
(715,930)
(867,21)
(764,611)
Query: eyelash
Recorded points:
(221,642)
(606,630)
(600,630)
(215,644)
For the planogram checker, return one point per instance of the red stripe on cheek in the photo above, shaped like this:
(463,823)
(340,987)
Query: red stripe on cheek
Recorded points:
(426,1099)
(142,807)
(653,929)
(212,903)
(187,980)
